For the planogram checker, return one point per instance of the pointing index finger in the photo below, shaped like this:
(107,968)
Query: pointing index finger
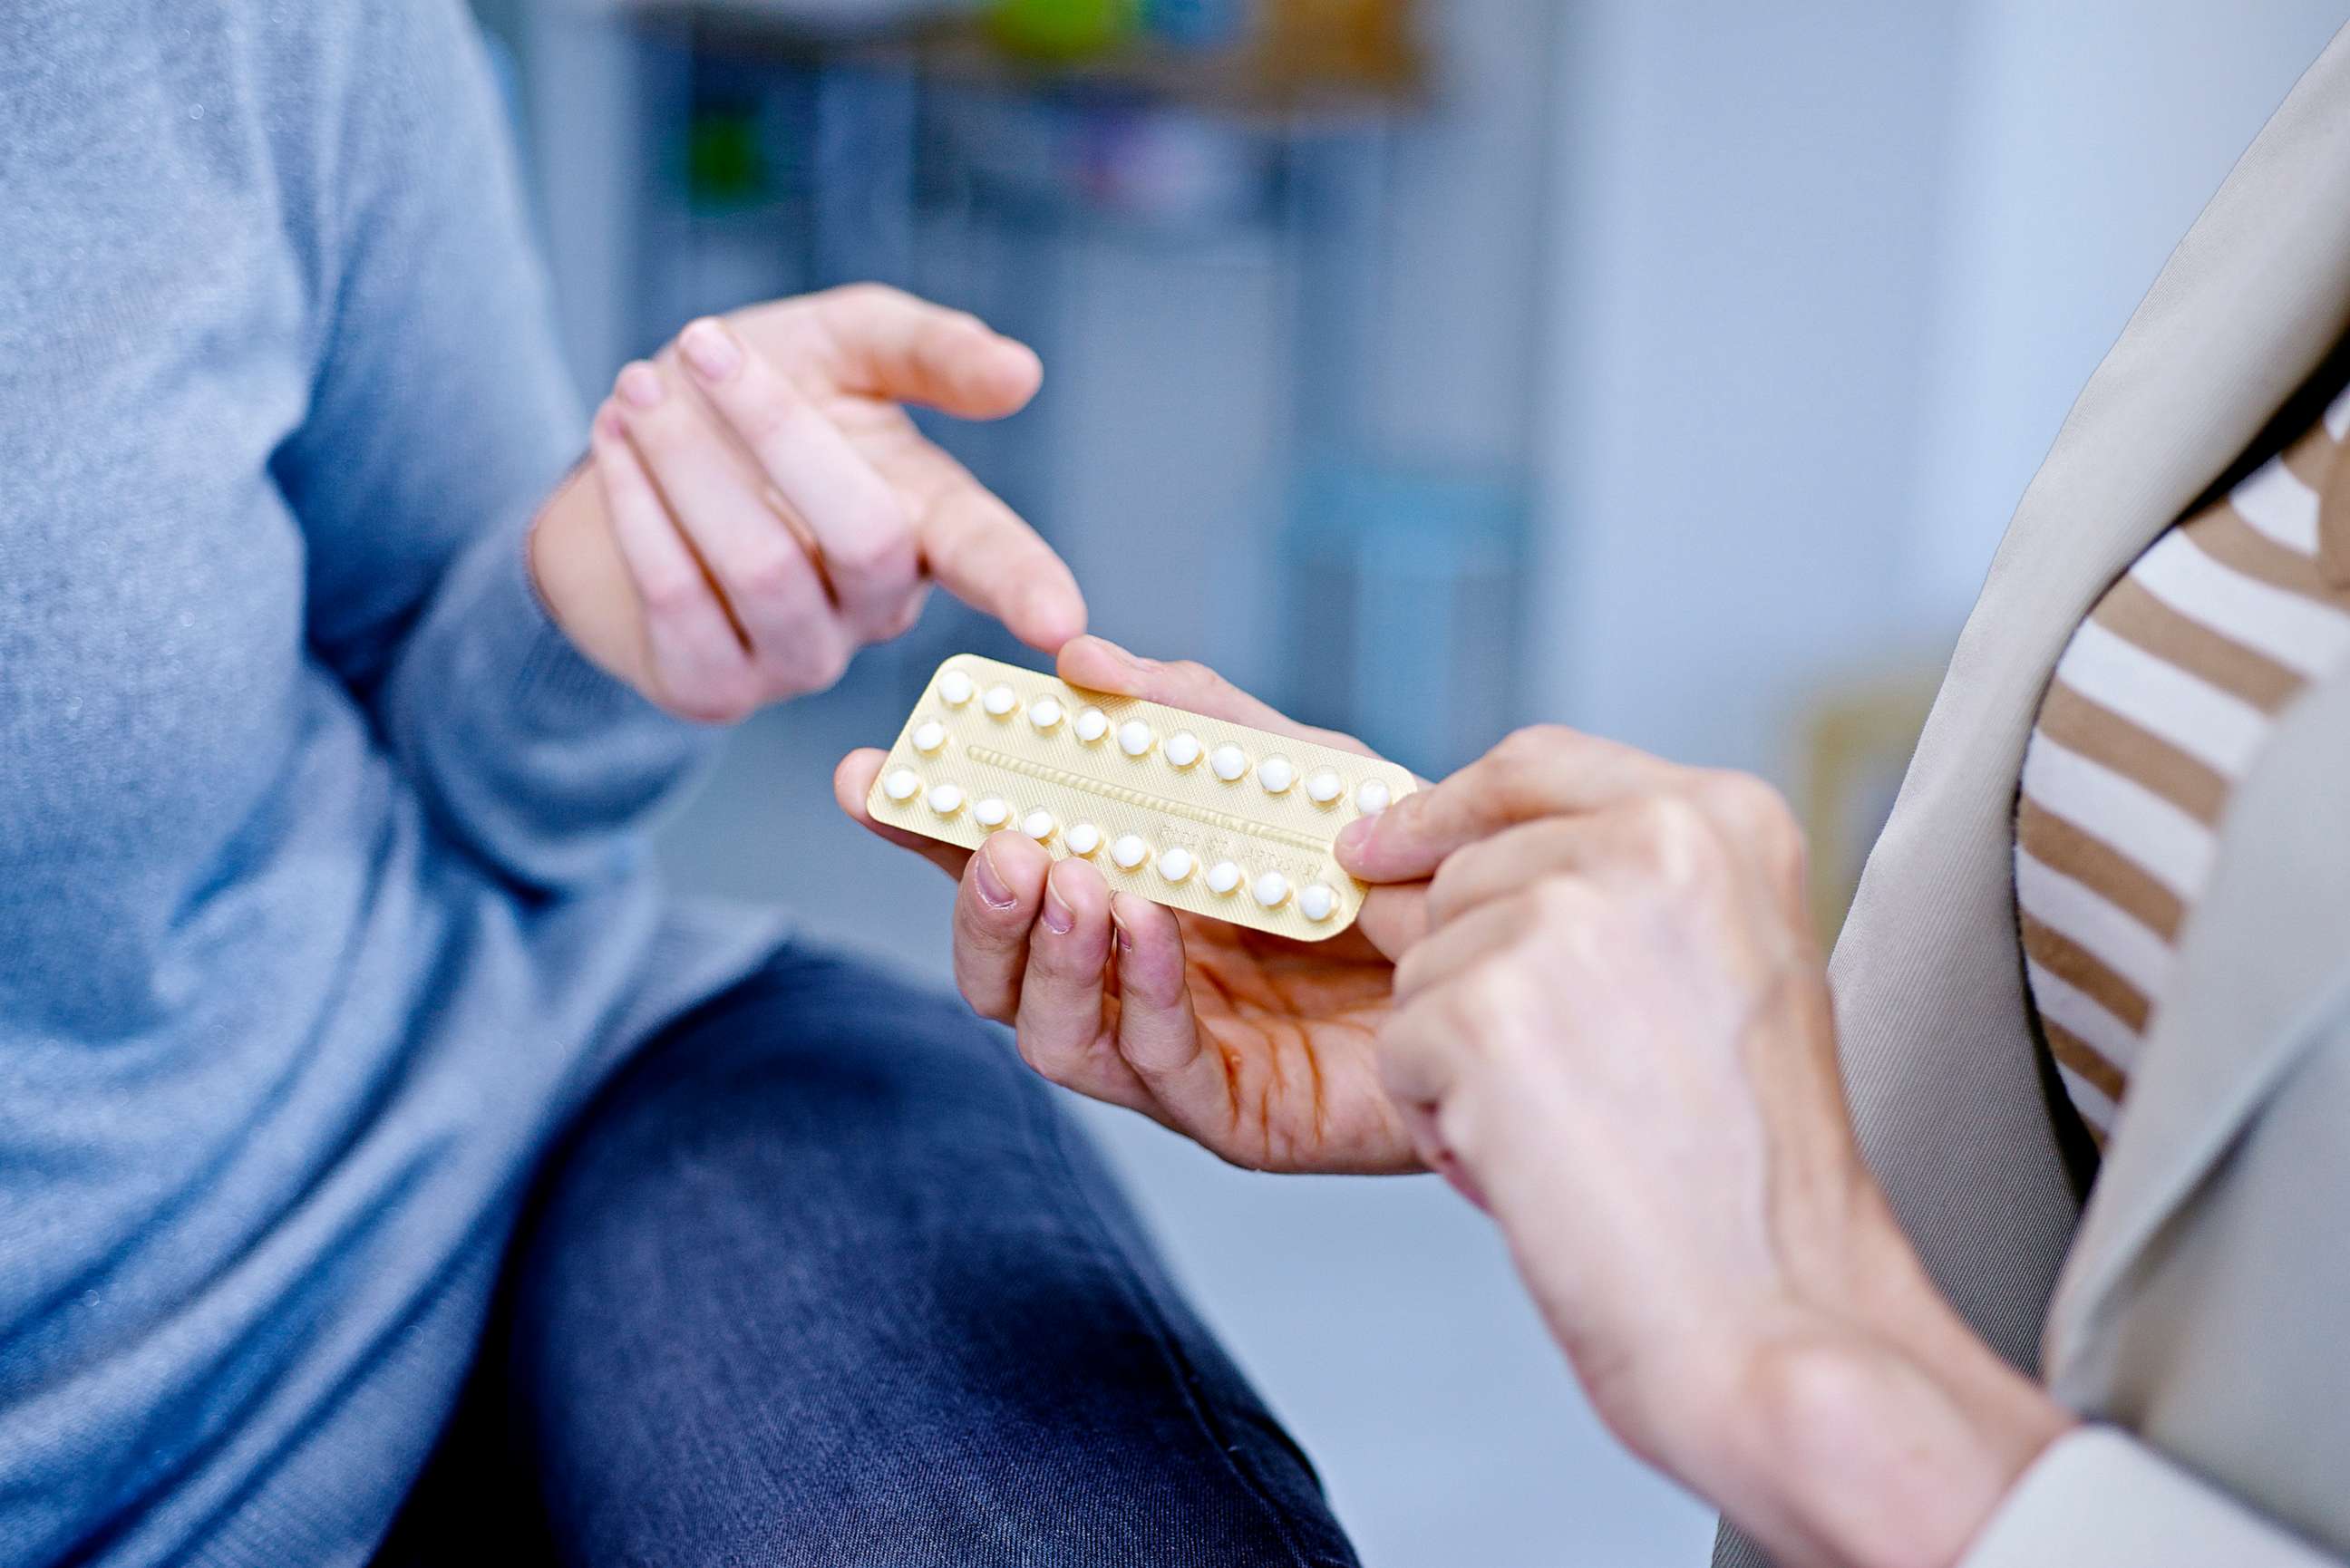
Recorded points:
(979,551)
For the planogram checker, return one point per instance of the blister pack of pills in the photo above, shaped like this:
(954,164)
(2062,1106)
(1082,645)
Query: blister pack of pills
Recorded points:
(1196,813)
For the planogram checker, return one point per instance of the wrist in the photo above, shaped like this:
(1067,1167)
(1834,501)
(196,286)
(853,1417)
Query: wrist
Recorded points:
(580,582)
(1887,1448)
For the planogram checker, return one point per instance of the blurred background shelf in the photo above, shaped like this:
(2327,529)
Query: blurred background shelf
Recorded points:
(1220,178)
(1346,59)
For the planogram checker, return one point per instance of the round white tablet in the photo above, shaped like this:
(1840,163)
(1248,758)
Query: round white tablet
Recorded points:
(1134,738)
(1175,865)
(1038,824)
(1272,890)
(1223,876)
(1323,786)
(1044,712)
(902,783)
(946,799)
(1276,774)
(1317,901)
(993,812)
(1130,851)
(1000,700)
(955,688)
(1229,762)
(930,735)
(1370,797)
(1083,839)
(1092,724)
(1183,748)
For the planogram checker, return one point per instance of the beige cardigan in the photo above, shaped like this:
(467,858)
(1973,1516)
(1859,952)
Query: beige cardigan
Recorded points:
(2197,1313)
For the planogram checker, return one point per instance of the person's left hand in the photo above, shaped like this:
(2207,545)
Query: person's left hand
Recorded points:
(1616,1035)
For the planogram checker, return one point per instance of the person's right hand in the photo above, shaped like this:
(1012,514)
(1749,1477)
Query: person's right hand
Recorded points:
(758,504)
(1256,1046)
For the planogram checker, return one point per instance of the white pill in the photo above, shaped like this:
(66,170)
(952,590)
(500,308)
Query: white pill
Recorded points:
(1083,839)
(1276,775)
(1272,890)
(1323,786)
(1134,737)
(1229,762)
(1092,724)
(955,688)
(1175,865)
(1223,876)
(1044,712)
(1317,901)
(1130,851)
(1370,797)
(1038,824)
(930,735)
(901,784)
(1183,748)
(946,799)
(993,812)
(1000,701)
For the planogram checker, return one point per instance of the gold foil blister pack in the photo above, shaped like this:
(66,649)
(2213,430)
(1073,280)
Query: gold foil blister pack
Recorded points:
(1195,813)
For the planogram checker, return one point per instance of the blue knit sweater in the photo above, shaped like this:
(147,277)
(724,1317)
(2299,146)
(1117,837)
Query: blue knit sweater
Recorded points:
(321,896)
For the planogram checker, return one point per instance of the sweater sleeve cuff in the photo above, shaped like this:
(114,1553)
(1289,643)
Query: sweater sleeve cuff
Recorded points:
(511,642)
(2098,1499)
(541,763)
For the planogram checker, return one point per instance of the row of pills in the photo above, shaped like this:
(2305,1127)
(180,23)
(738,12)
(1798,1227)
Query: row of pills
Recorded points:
(1129,851)
(1182,749)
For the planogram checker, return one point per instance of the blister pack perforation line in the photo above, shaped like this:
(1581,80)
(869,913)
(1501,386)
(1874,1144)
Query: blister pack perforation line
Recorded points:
(1196,813)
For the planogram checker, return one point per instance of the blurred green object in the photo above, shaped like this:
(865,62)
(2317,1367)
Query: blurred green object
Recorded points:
(1062,29)
(725,166)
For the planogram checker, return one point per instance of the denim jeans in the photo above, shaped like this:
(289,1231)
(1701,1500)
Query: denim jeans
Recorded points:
(825,1277)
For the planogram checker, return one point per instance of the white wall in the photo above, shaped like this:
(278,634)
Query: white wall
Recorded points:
(1745,219)
(2089,136)
(1828,275)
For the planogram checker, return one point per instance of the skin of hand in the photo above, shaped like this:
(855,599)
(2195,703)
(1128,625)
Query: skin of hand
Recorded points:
(757,505)
(1257,1047)
(1617,1028)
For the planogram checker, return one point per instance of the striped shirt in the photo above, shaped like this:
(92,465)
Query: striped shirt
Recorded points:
(2160,703)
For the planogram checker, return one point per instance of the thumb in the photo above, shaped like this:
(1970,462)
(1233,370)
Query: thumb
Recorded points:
(1097,664)
(888,344)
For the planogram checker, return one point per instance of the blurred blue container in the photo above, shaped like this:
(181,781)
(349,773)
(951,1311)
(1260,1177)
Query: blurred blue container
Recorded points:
(1401,593)
(1196,24)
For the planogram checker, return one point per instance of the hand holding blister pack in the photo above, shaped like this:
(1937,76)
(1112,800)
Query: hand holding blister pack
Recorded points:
(1149,892)
(1194,811)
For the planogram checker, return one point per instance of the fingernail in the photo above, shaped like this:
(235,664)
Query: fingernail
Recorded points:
(1356,835)
(993,891)
(641,385)
(1059,919)
(609,425)
(1118,925)
(710,349)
